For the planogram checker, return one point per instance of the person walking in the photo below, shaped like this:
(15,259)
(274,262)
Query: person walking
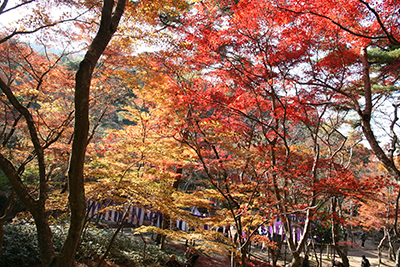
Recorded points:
(365,262)
(363,239)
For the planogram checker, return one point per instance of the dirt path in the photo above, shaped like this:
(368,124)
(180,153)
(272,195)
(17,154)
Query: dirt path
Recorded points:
(370,251)
(354,255)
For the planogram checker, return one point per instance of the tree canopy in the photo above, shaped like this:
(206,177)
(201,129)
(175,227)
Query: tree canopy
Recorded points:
(260,106)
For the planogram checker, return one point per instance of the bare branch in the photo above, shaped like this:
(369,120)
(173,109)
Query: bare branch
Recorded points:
(15,32)
(390,36)
(378,37)
(3,6)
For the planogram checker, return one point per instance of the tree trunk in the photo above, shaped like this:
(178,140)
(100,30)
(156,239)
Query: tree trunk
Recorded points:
(385,232)
(166,221)
(120,226)
(295,245)
(44,236)
(398,258)
(35,207)
(109,21)
(365,117)
(391,250)
(8,206)
(244,249)
(275,252)
(296,260)
(243,257)
(335,230)
(315,251)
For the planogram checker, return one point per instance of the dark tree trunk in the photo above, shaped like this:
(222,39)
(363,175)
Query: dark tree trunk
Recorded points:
(366,115)
(109,21)
(35,207)
(7,208)
(397,258)
(335,231)
(385,231)
(120,226)
(391,250)
(45,237)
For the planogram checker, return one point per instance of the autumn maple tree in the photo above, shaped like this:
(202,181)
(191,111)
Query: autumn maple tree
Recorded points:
(228,100)
(42,97)
(240,91)
(36,204)
(252,96)
(378,212)
(245,75)
(352,53)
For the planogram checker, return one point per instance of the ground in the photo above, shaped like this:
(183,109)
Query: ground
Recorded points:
(354,255)
(371,252)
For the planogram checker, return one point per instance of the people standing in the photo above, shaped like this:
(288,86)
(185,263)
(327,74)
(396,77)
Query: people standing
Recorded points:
(363,239)
(191,256)
(305,262)
(365,262)
(337,263)
(172,262)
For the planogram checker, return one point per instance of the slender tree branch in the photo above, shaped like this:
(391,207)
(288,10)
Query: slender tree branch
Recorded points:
(390,36)
(33,133)
(15,32)
(336,23)
(3,6)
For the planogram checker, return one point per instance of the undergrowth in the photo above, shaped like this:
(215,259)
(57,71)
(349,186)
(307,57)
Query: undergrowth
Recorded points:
(20,247)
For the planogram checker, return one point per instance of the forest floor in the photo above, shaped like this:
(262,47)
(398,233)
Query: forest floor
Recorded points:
(371,253)
(260,258)
(355,254)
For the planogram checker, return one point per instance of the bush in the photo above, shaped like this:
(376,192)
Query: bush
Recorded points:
(125,248)
(20,246)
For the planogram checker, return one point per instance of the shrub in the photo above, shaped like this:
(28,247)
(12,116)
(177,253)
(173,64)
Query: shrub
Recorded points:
(20,246)
(125,248)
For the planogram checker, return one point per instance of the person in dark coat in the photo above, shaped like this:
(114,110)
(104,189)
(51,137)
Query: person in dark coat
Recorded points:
(191,256)
(337,263)
(305,262)
(363,239)
(172,262)
(365,262)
